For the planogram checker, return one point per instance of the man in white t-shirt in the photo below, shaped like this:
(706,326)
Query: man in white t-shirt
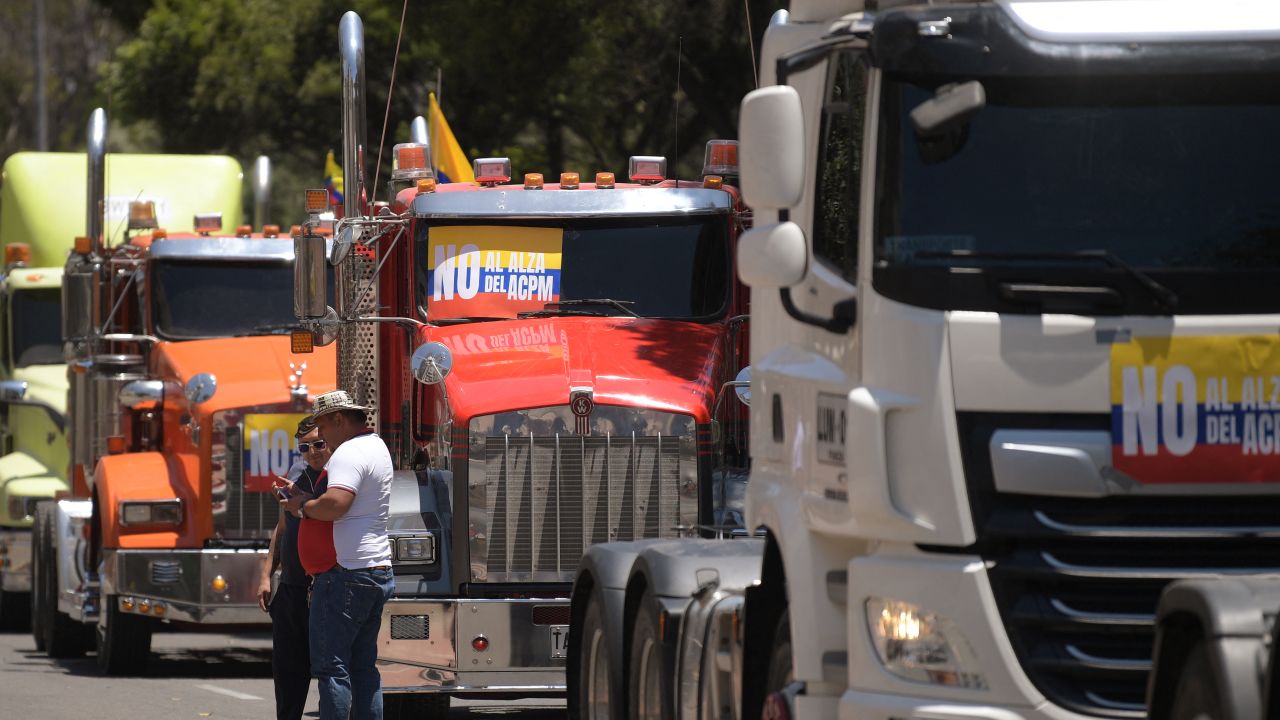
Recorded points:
(343,546)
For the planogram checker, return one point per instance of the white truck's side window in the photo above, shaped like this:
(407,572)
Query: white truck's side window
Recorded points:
(835,222)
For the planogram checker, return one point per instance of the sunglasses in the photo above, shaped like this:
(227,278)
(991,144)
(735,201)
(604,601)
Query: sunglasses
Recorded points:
(306,447)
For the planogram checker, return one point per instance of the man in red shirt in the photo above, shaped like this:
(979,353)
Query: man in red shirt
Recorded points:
(343,545)
(290,653)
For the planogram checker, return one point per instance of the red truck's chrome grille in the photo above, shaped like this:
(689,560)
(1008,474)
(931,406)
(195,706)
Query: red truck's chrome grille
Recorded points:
(538,502)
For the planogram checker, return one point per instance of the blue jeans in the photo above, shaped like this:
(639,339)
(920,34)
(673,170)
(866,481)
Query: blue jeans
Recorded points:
(346,612)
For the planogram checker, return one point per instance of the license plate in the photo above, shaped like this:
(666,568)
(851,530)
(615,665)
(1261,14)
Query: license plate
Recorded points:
(559,640)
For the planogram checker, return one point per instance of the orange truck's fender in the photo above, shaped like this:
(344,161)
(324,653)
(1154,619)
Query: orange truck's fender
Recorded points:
(148,476)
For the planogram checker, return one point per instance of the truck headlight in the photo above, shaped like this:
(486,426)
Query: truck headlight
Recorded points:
(416,548)
(917,645)
(151,512)
(22,507)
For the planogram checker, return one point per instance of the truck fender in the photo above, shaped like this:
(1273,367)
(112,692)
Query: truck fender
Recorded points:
(68,520)
(676,571)
(1227,616)
(420,501)
(23,475)
(148,476)
(680,569)
(603,571)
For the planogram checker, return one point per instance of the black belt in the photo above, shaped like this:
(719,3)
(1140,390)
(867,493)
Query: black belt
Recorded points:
(363,569)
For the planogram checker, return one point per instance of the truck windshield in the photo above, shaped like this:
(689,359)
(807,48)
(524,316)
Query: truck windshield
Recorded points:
(206,299)
(1175,178)
(37,326)
(666,267)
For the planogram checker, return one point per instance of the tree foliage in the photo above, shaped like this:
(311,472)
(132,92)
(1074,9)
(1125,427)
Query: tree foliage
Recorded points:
(565,85)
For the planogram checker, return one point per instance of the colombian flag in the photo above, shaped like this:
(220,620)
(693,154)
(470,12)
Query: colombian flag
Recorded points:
(446,155)
(333,179)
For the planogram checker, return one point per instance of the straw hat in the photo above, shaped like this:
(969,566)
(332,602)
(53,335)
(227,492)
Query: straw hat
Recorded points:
(334,401)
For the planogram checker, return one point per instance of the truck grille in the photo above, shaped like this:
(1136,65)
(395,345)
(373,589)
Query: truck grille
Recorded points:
(1077,580)
(546,499)
(237,513)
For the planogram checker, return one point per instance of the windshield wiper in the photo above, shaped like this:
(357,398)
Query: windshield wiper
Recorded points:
(619,304)
(550,311)
(1165,298)
(558,308)
(462,320)
(278,329)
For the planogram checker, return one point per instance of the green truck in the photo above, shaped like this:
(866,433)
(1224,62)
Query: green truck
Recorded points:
(37,229)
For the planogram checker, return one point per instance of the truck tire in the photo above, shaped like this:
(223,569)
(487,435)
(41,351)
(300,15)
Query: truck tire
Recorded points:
(124,641)
(63,637)
(37,596)
(1197,696)
(649,682)
(781,664)
(595,694)
(415,706)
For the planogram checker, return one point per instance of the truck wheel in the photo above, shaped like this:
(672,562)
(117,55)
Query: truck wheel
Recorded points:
(1197,696)
(415,706)
(124,641)
(595,692)
(37,595)
(781,666)
(649,683)
(63,637)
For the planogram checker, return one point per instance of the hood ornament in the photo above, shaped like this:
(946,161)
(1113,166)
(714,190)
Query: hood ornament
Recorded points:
(581,404)
(297,388)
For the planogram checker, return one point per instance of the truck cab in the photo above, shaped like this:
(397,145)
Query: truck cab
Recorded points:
(184,397)
(547,361)
(36,232)
(1013,315)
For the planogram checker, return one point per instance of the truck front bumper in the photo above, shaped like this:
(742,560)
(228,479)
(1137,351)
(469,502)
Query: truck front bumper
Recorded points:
(15,560)
(429,646)
(215,587)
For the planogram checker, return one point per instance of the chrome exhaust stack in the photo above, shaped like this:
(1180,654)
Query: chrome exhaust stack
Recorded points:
(356,294)
(354,149)
(418,131)
(261,191)
(97,179)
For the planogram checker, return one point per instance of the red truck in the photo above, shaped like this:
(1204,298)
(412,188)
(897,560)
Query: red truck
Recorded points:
(547,362)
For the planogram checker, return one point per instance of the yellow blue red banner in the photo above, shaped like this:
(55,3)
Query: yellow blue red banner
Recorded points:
(492,271)
(1197,409)
(269,448)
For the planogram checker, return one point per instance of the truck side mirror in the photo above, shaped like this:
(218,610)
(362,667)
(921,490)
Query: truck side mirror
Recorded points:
(142,394)
(431,363)
(771,148)
(773,256)
(11,390)
(308,277)
(742,386)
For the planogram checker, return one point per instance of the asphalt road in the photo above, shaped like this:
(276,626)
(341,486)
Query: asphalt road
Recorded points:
(219,676)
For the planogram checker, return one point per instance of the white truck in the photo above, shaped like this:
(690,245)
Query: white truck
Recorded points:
(1014,370)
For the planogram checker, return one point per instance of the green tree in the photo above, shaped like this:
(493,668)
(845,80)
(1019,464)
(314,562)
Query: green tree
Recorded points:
(575,84)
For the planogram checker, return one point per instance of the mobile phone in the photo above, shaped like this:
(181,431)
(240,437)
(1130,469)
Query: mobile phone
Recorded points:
(281,487)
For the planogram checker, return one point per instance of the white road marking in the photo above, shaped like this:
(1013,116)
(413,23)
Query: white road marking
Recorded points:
(232,693)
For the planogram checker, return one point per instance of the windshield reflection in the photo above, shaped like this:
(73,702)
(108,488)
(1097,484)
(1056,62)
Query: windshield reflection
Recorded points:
(657,267)
(37,326)
(206,299)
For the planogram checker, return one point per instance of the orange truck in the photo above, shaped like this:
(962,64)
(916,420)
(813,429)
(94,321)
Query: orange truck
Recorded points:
(182,406)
